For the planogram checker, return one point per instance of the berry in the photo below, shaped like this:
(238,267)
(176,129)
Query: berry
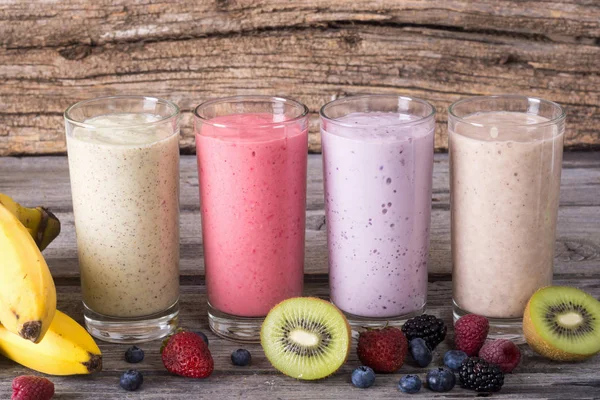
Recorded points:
(363,377)
(470,333)
(477,374)
(134,355)
(427,327)
(453,359)
(185,353)
(501,352)
(30,387)
(131,380)
(241,357)
(440,380)
(409,384)
(203,336)
(420,352)
(384,350)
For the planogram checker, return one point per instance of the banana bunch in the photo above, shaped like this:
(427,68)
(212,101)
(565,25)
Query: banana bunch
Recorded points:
(67,349)
(43,226)
(32,332)
(27,292)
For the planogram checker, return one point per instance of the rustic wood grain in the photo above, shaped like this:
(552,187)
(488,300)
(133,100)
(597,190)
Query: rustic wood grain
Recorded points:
(55,53)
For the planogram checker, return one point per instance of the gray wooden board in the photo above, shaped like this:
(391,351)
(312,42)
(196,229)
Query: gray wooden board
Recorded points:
(44,180)
(535,377)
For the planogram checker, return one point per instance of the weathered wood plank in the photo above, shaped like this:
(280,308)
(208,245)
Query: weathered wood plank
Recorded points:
(313,51)
(535,377)
(42,24)
(577,246)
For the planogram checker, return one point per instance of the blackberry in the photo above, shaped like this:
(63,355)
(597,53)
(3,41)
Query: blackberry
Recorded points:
(427,327)
(479,375)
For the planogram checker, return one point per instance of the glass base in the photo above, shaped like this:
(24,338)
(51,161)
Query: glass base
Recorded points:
(233,327)
(131,330)
(359,324)
(500,328)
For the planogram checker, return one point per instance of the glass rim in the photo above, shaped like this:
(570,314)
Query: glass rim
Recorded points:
(420,120)
(176,111)
(553,121)
(242,98)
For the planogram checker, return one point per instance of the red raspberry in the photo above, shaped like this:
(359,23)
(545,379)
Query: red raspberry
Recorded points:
(502,352)
(470,333)
(29,387)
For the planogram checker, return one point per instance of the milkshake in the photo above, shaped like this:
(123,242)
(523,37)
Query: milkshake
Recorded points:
(505,185)
(252,174)
(125,186)
(377,170)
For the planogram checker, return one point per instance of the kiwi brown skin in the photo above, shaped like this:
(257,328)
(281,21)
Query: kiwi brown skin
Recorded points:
(348,328)
(541,346)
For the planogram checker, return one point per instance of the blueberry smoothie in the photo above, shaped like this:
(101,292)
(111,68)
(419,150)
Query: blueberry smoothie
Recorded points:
(378,173)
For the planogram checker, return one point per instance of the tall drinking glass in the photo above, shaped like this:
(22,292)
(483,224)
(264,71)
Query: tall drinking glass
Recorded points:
(377,167)
(252,155)
(505,166)
(124,166)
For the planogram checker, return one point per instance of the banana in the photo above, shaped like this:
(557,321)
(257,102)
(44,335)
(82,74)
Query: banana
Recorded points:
(67,349)
(27,292)
(43,226)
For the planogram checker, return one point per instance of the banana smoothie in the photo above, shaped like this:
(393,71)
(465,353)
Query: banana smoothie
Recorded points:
(125,184)
(505,178)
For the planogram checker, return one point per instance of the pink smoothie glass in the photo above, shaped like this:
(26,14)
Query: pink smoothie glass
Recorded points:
(252,159)
(377,167)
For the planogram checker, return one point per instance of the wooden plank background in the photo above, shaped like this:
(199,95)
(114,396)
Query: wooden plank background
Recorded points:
(54,53)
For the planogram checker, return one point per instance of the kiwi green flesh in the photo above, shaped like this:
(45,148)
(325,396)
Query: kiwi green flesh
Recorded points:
(567,318)
(306,338)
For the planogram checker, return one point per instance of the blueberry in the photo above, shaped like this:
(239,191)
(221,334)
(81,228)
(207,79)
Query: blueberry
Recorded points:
(134,355)
(363,377)
(131,380)
(441,380)
(453,359)
(241,357)
(420,352)
(409,384)
(203,336)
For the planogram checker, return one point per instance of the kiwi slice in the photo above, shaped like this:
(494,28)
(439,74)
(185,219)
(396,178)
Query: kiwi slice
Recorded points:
(306,338)
(562,323)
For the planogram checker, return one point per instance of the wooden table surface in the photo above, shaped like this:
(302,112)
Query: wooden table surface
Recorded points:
(45,180)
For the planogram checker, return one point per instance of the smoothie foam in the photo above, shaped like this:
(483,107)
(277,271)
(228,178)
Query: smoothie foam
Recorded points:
(378,177)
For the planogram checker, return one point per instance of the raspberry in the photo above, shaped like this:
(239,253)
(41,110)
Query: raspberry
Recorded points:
(502,352)
(470,333)
(427,327)
(29,387)
(477,374)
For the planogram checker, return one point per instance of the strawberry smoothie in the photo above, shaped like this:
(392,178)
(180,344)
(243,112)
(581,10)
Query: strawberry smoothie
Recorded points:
(252,173)
(377,169)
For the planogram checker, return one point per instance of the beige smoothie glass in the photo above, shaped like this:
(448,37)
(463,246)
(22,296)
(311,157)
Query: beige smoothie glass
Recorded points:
(505,167)
(124,168)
